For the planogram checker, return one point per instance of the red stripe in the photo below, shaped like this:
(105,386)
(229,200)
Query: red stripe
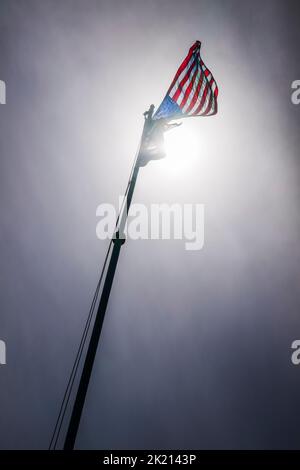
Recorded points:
(209,105)
(184,64)
(198,110)
(189,88)
(183,81)
(213,100)
(210,100)
(216,92)
(196,95)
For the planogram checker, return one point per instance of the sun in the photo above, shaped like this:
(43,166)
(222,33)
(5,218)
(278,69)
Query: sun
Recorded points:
(182,147)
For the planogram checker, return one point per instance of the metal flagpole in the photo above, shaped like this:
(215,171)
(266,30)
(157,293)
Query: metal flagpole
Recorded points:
(118,241)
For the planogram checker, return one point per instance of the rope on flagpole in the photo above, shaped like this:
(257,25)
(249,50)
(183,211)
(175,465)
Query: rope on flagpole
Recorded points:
(68,391)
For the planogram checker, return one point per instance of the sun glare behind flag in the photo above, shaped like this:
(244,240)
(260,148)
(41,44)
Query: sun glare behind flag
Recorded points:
(193,91)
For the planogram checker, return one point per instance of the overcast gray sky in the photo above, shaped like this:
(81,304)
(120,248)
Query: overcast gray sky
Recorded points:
(196,346)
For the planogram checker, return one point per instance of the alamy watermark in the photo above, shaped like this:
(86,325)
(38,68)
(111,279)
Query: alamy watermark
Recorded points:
(2,352)
(2,92)
(295,357)
(159,221)
(295,97)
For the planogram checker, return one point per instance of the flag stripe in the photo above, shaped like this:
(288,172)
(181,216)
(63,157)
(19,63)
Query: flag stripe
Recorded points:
(183,90)
(183,65)
(189,89)
(194,98)
(177,89)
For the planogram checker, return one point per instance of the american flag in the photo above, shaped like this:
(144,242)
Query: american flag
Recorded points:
(193,91)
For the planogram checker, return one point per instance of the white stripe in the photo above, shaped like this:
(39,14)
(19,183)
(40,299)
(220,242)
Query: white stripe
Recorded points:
(209,94)
(193,91)
(206,102)
(205,84)
(212,107)
(181,76)
(185,86)
(200,96)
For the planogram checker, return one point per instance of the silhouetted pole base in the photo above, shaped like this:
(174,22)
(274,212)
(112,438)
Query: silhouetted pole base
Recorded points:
(118,241)
(91,353)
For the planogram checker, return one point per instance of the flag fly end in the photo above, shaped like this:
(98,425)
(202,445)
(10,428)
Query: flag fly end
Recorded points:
(193,91)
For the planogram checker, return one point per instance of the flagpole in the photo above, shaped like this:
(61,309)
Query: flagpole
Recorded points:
(172,106)
(118,241)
